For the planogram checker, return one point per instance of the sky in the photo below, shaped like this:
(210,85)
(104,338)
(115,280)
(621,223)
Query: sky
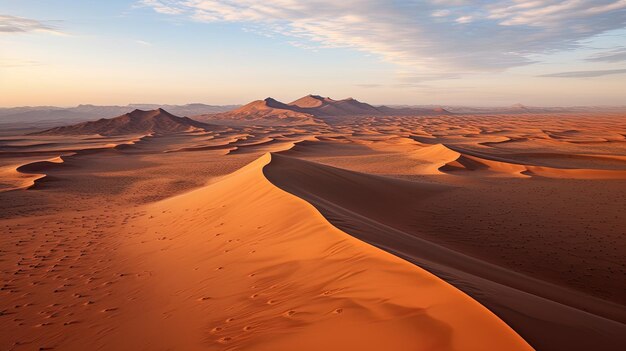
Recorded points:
(413,52)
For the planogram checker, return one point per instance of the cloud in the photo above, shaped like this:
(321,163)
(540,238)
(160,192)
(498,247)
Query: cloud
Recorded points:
(369,86)
(424,36)
(615,55)
(11,62)
(163,6)
(143,43)
(464,19)
(12,24)
(585,74)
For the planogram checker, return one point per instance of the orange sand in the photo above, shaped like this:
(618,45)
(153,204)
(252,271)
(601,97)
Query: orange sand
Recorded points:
(165,239)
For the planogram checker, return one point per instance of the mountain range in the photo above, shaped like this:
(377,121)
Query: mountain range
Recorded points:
(312,109)
(51,116)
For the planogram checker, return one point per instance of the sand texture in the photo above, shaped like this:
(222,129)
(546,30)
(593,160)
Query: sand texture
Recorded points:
(311,230)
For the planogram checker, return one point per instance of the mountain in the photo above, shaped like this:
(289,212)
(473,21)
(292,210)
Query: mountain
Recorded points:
(311,109)
(156,121)
(325,106)
(266,111)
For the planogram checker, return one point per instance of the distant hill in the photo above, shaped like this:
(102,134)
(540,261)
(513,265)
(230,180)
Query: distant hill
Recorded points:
(312,109)
(325,106)
(523,109)
(51,116)
(156,121)
(264,111)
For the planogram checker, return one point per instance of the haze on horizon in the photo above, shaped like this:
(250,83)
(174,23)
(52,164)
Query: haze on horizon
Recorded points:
(544,52)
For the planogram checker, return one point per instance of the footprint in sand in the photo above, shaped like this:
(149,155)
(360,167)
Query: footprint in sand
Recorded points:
(290,313)
(224,339)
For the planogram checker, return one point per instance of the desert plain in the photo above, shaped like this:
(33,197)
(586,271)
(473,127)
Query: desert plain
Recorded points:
(316,225)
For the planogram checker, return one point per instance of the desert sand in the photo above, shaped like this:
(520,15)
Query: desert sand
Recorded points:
(432,232)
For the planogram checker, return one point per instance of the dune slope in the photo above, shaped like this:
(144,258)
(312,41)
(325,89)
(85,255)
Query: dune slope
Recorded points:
(239,264)
(384,211)
(287,277)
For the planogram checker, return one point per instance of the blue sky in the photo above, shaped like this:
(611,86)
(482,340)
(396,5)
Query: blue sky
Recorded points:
(548,52)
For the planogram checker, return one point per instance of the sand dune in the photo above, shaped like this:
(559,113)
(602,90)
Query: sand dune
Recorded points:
(472,162)
(382,211)
(167,240)
(25,176)
(434,157)
(34,173)
(284,277)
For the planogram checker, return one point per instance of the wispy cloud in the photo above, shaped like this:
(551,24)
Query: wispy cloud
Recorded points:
(369,86)
(11,62)
(585,74)
(425,36)
(163,6)
(143,43)
(615,55)
(13,24)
